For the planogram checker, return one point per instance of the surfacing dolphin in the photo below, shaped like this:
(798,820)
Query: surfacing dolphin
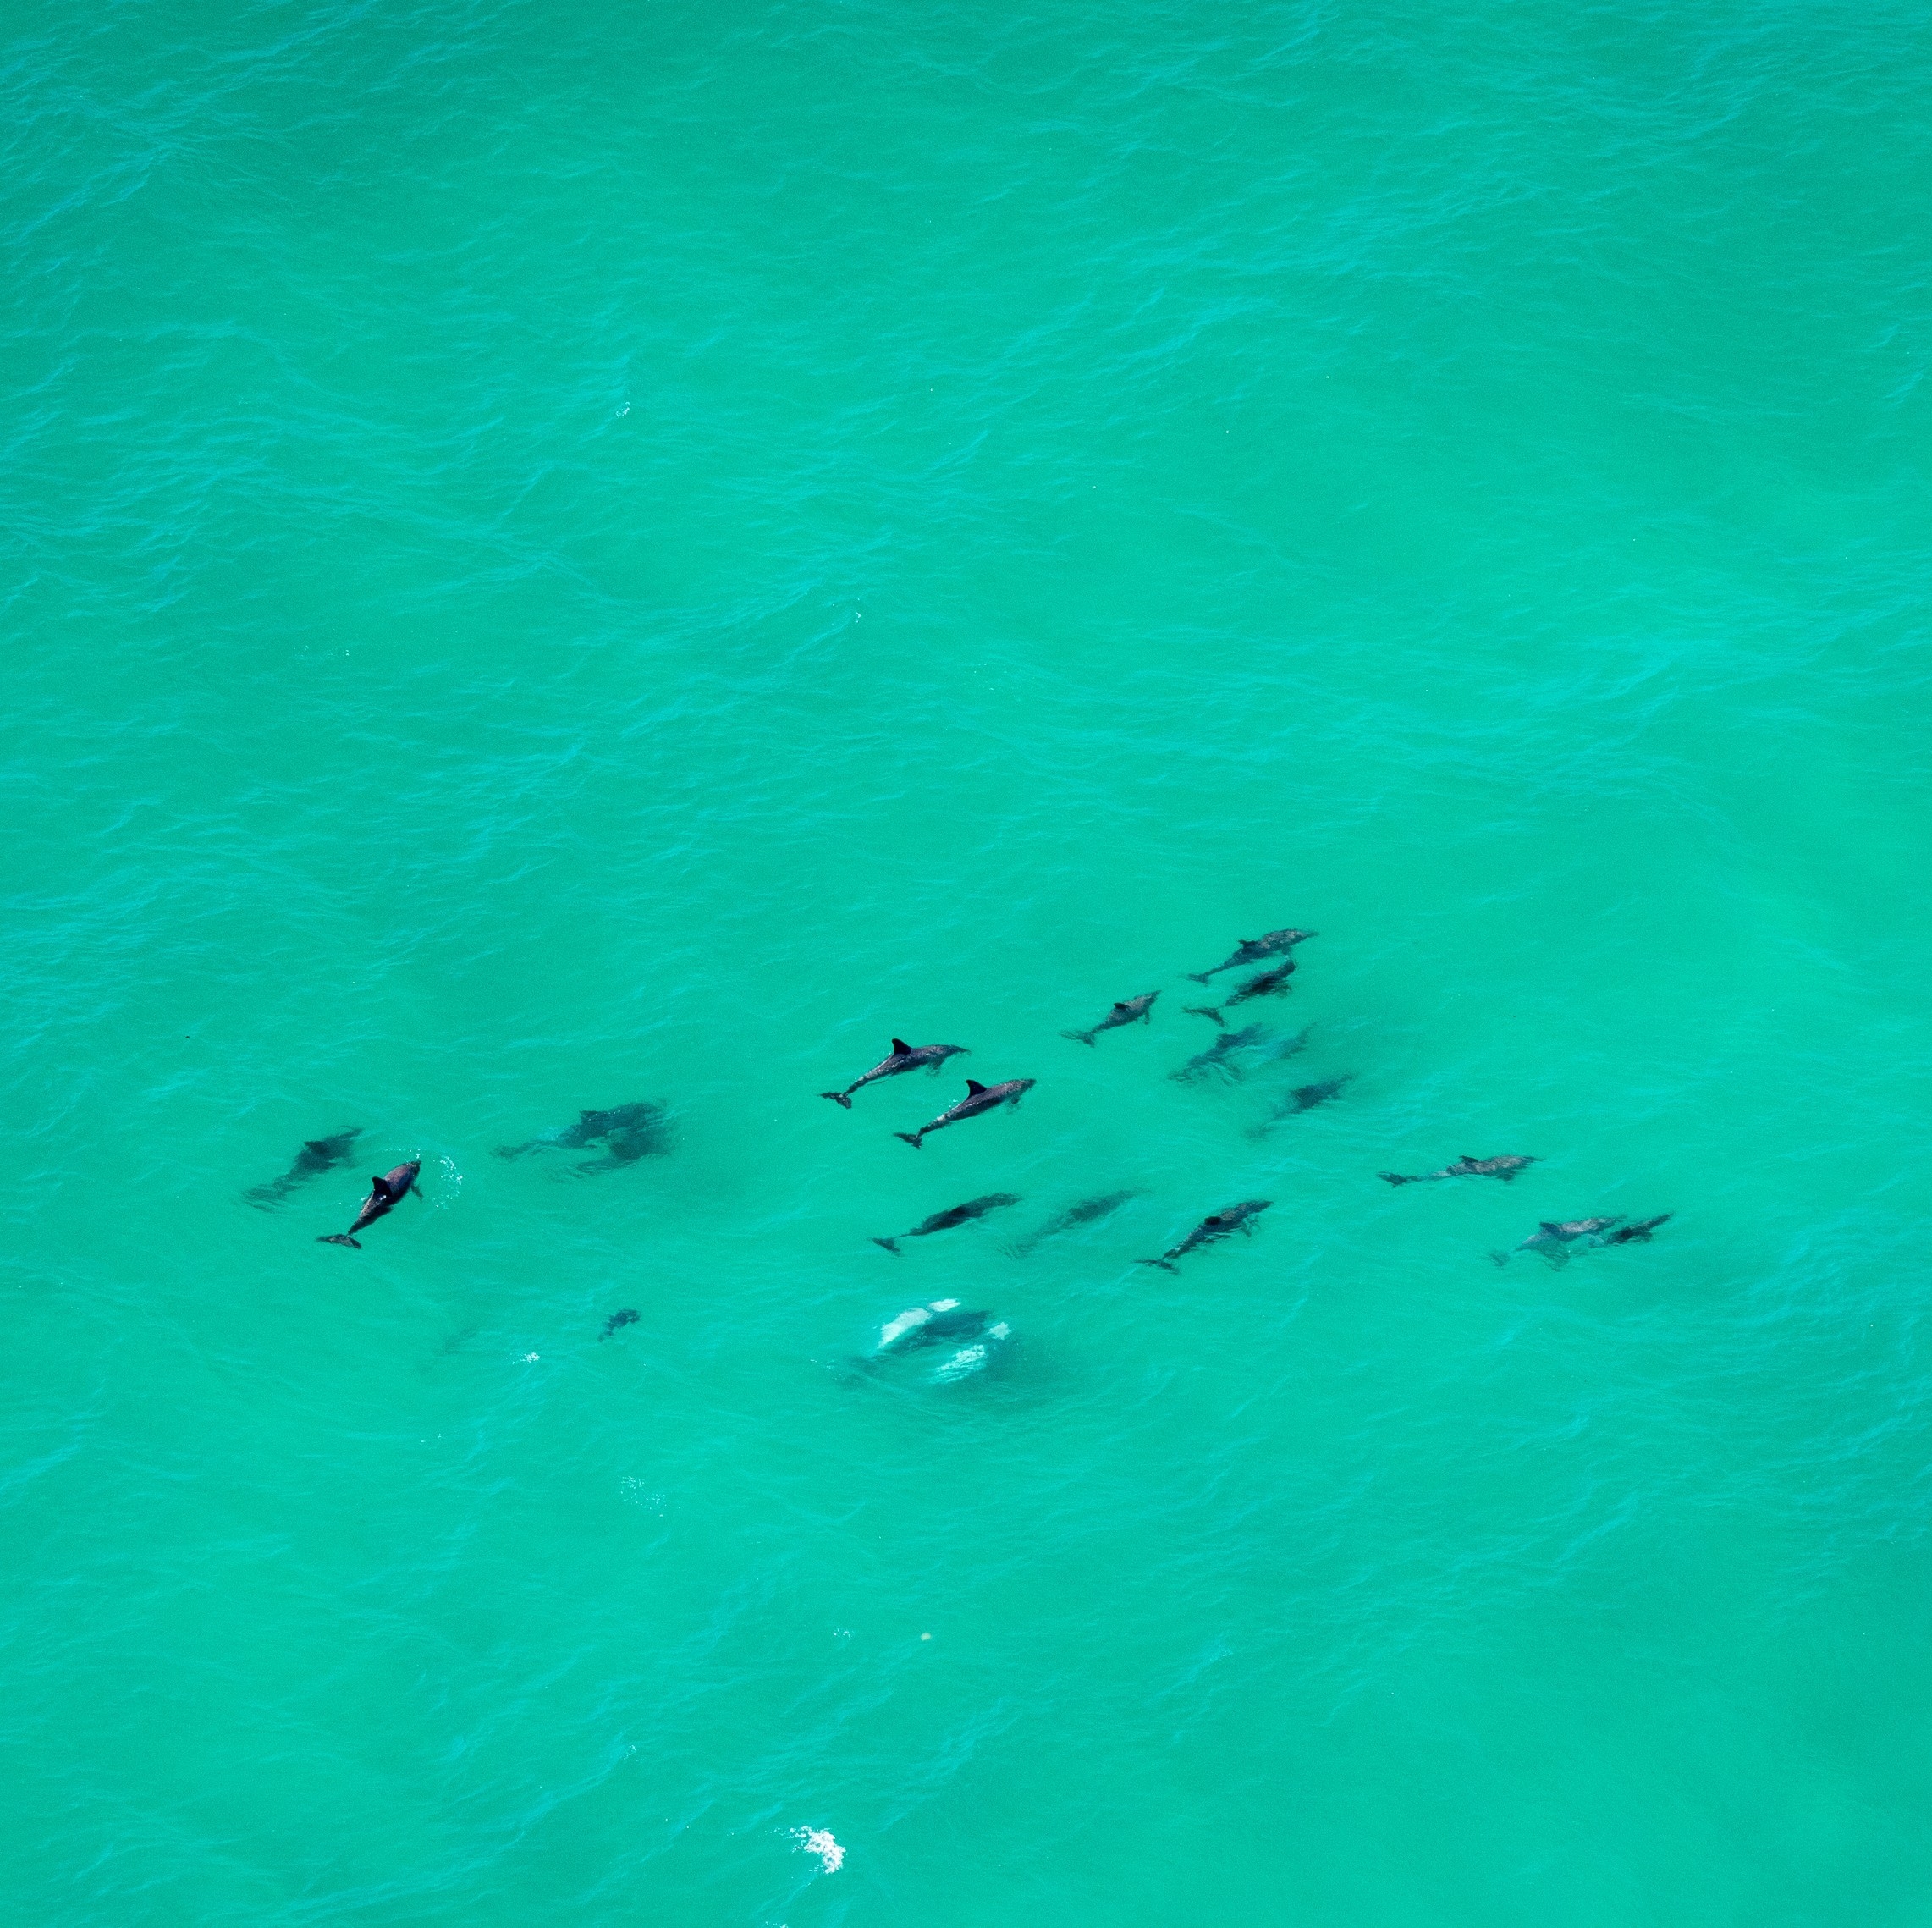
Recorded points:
(955,1214)
(1639,1233)
(1268,984)
(1085,1213)
(1553,1237)
(902,1057)
(629,1131)
(1126,1010)
(385,1194)
(1250,950)
(979,1098)
(1222,1224)
(1467,1167)
(316,1156)
(975,1337)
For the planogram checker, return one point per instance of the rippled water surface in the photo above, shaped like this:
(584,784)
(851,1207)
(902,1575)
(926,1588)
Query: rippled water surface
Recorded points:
(570,556)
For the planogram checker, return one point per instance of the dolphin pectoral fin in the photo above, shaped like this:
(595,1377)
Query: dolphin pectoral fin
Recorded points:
(1206,1011)
(912,1138)
(1500,1257)
(1196,976)
(1393,1177)
(891,1246)
(339,1238)
(838,1097)
(1079,1036)
(1162,1263)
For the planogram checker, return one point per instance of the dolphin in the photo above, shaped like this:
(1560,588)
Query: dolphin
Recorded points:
(1639,1233)
(1467,1167)
(624,1144)
(385,1194)
(957,1215)
(1085,1213)
(317,1155)
(1303,1098)
(1268,984)
(1553,1236)
(902,1057)
(1222,1224)
(615,1320)
(979,1098)
(633,1123)
(1215,1059)
(944,1322)
(1273,944)
(1126,1010)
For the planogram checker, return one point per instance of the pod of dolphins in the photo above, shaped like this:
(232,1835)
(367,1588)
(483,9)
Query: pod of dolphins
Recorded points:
(628,1133)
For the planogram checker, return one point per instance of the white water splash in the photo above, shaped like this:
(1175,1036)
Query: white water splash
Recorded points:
(819,1841)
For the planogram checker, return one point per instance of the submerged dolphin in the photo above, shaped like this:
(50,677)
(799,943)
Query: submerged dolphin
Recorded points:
(617,1319)
(317,1155)
(902,1057)
(974,1334)
(1222,1224)
(956,1214)
(1126,1010)
(1303,1098)
(629,1132)
(1505,1167)
(1268,984)
(979,1098)
(1554,1236)
(1639,1233)
(385,1194)
(1085,1213)
(1272,943)
(1215,1059)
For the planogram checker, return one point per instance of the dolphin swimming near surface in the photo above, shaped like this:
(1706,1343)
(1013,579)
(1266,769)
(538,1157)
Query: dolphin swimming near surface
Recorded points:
(1273,944)
(1214,1061)
(1222,1224)
(317,1155)
(1639,1233)
(1303,1098)
(616,1319)
(385,1194)
(1126,1010)
(946,1322)
(1085,1213)
(1268,984)
(902,1057)
(1553,1235)
(956,1214)
(1505,1167)
(979,1098)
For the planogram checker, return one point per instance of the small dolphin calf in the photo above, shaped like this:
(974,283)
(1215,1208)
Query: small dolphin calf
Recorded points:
(1085,1213)
(1250,950)
(1553,1236)
(1467,1167)
(1126,1010)
(1639,1233)
(385,1194)
(979,1098)
(1269,984)
(902,1057)
(317,1155)
(1222,1224)
(957,1215)
(615,1320)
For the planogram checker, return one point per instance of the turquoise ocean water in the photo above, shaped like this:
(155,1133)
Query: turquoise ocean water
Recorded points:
(567,555)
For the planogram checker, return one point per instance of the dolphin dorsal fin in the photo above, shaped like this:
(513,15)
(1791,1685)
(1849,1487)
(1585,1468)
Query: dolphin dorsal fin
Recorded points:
(1548,1225)
(380,1186)
(1120,1004)
(899,1047)
(1469,1158)
(974,1088)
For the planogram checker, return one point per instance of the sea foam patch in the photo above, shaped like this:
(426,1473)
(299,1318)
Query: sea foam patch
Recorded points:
(820,1841)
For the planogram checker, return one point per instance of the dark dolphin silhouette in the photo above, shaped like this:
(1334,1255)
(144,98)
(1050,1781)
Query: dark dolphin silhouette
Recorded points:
(1553,1236)
(1250,950)
(1639,1233)
(316,1156)
(902,1058)
(979,1098)
(1222,1224)
(1085,1213)
(385,1194)
(956,1214)
(1214,1061)
(616,1319)
(1505,1167)
(1126,1010)
(1268,984)
(644,1118)
(1303,1098)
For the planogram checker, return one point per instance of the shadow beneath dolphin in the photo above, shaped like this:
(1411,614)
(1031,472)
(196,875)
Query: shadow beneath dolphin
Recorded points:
(627,1133)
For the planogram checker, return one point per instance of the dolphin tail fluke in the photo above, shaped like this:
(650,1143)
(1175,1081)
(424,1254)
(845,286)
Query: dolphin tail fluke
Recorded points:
(1079,1036)
(1204,1010)
(838,1097)
(1197,976)
(891,1246)
(1394,1177)
(339,1238)
(912,1138)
